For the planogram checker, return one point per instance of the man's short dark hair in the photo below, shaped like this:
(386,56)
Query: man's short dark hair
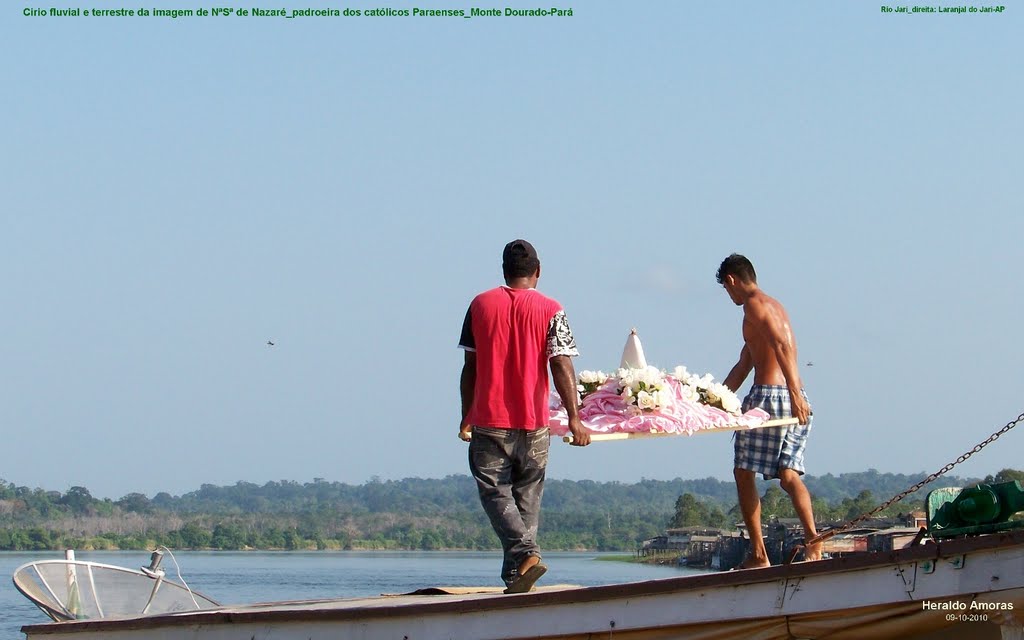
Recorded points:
(519,259)
(736,265)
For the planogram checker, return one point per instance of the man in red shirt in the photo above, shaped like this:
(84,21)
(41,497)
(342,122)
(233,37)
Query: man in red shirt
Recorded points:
(510,336)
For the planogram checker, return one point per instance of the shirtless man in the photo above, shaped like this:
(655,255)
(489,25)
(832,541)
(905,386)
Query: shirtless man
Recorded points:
(770,350)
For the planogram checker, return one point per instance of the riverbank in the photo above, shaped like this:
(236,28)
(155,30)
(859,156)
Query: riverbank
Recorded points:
(664,559)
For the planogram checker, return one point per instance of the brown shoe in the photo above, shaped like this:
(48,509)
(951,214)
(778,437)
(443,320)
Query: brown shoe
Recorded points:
(525,582)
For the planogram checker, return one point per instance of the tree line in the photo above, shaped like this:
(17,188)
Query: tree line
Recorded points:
(413,513)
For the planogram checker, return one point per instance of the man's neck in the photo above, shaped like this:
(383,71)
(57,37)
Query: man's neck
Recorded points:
(521,283)
(749,292)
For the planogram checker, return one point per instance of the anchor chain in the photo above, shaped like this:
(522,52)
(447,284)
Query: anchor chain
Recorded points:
(978,447)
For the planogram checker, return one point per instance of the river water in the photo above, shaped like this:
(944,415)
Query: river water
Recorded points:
(259,576)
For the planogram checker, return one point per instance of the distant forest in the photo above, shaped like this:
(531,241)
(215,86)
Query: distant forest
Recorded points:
(414,513)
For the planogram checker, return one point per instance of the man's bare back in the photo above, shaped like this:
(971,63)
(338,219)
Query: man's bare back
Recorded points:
(762,317)
(769,347)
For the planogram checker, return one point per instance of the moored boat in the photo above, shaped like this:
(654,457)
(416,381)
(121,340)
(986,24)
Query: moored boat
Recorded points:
(970,587)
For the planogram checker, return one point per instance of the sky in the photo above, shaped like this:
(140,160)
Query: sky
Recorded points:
(177,193)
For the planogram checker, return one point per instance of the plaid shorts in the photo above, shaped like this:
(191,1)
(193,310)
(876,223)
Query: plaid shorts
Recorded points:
(769,449)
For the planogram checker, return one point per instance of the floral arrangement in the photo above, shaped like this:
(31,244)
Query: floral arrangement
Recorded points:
(705,390)
(641,398)
(647,389)
(589,381)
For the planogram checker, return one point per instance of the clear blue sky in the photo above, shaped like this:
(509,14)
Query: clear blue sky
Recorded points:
(176,193)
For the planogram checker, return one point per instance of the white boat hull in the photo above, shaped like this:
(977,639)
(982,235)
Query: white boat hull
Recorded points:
(905,594)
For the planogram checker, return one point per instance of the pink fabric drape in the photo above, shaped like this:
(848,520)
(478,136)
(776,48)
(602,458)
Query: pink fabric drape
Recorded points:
(604,411)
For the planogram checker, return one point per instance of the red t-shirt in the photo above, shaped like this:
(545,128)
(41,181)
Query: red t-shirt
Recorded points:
(508,328)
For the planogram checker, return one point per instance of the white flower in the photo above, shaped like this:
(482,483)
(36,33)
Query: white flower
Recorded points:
(652,376)
(626,394)
(717,388)
(593,377)
(680,373)
(726,398)
(689,393)
(703,382)
(626,377)
(731,403)
(661,398)
(647,379)
(645,400)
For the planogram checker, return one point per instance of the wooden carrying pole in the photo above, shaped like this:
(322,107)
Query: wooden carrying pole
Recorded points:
(604,437)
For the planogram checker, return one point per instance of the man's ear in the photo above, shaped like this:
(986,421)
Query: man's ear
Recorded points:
(537,275)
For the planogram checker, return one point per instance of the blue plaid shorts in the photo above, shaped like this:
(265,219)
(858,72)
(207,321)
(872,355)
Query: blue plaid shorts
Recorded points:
(767,450)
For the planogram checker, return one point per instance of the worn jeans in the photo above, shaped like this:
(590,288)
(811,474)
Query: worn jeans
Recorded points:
(508,466)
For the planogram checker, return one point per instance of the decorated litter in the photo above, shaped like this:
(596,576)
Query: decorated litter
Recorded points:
(639,400)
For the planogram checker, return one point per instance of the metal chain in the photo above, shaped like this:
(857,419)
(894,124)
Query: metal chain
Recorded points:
(978,447)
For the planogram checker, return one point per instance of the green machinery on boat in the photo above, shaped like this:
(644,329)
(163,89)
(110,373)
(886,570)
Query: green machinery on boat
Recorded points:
(981,508)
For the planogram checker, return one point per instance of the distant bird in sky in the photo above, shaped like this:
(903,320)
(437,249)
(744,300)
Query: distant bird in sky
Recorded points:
(270,343)
(810,364)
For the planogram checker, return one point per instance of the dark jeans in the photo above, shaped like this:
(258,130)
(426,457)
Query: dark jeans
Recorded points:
(508,466)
